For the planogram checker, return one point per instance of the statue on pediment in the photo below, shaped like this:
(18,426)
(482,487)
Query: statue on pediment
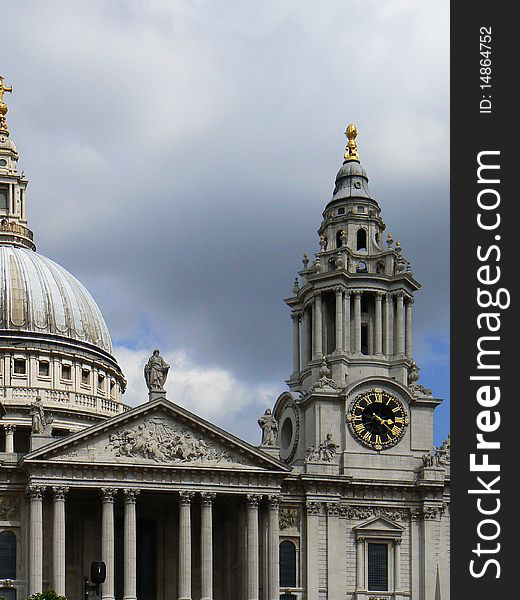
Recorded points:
(156,371)
(269,426)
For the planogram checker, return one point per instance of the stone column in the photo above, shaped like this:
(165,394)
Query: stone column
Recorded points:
(318,327)
(206,545)
(399,333)
(296,342)
(388,335)
(346,318)
(130,546)
(360,564)
(35,494)
(185,545)
(312,583)
(378,337)
(108,541)
(9,438)
(357,321)
(252,547)
(58,539)
(397,564)
(339,319)
(408,340)
(273,547)
(304,359)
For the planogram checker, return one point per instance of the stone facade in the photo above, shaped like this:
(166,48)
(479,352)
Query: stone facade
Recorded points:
(345,499)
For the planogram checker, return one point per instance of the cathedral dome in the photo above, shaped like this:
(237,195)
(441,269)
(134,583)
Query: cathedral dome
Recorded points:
(39,296)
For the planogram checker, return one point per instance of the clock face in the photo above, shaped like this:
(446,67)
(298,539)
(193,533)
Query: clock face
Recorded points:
(377,419)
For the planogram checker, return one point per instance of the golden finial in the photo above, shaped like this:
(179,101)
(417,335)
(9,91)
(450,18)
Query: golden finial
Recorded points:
(3,106)
(351,151)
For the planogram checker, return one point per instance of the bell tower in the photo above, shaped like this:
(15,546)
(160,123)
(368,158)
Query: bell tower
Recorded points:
(351,309)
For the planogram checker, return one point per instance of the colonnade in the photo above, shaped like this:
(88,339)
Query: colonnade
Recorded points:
(391,325)
(186,498)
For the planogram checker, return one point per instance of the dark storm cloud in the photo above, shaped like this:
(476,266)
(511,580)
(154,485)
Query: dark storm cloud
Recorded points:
(180,156)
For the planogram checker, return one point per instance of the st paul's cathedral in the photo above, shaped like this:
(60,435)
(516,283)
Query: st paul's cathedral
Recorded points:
(345,498)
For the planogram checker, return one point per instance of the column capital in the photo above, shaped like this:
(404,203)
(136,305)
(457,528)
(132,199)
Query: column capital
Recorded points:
(397,541)
(207,498)
(389,297)
(338,290)
(273,501)
(399,294)
(9,427)
(409,299)
(253,500)
(317,295)
(332,509)
(186,496)
(59,492)
(348,293)
(313,508)
(131,495)
(379,295)
(296,315)
(360,540)
(357,293)
(35,492)
(108,494)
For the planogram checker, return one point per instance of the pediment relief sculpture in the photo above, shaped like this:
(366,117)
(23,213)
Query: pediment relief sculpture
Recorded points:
(162,441)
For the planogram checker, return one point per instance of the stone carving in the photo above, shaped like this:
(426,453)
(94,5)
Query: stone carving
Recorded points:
(443,453)
(313,508)
(158,440)
(323,243)
(59,491)
(325,380)
(332,509)
(413,377)
(40,422)
(156,371)
(325,453)
(288,518)
(269,426)
(365,512)
(9,509)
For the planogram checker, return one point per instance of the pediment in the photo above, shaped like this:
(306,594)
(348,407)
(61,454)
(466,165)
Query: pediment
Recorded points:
(380,526)
(157,434)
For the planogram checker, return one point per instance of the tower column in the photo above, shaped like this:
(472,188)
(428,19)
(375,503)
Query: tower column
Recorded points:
(318,327)
(360,564)
(35,493)
(339,319)
(273,548)
(306,338)
(379,324)
(408,340)
(108,541)
(357,321)
(346,319)
(252,547)
(397,564)
(206,545)
(130,546)
(296,342)
(9,438)
(185,545)
(58,539)
(399,333)
(389,311)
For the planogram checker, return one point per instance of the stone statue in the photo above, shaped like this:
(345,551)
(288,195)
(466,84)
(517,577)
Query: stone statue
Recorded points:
(328,448)
(39,422)
(269,427)
(156,371)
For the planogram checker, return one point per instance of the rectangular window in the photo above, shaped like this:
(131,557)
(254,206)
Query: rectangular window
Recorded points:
(66,372)
(43,368)
(85,376)
(101,383)
(341,211)
(20,366)
(378,567)
(112,389)
(4,197)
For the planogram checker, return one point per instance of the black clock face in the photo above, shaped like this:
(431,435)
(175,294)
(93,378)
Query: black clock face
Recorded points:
(377,419)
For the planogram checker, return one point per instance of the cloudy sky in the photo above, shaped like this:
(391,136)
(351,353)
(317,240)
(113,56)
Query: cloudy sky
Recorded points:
(180,154)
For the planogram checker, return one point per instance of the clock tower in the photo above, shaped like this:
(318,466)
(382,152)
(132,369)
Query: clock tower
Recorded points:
(354,405)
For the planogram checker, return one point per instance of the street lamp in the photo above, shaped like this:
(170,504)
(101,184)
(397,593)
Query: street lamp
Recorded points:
(98,574)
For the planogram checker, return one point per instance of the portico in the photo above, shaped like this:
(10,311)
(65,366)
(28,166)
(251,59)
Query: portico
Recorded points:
(160,526)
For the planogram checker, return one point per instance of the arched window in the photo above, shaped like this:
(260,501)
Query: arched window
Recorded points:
(7,555)
(361,239)
(287,564)
(339,241)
